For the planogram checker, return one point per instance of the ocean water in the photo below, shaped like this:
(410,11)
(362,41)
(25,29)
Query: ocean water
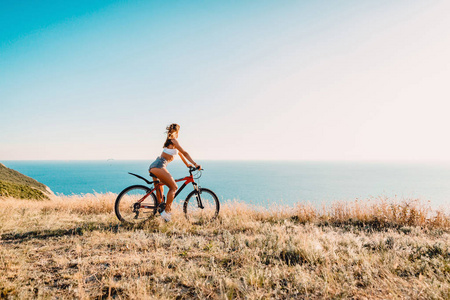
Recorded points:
(261,183)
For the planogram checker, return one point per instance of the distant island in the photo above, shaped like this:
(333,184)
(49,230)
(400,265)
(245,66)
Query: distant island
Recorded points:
(17,185)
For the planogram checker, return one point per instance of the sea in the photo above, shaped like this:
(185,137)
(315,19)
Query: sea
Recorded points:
(261,183)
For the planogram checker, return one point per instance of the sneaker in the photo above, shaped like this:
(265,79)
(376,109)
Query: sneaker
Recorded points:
(166,216)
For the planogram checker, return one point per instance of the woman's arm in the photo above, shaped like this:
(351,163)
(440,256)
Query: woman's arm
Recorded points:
(184,160)
(183,152)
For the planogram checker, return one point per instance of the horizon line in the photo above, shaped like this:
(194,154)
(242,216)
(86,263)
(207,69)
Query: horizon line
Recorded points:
(259,160)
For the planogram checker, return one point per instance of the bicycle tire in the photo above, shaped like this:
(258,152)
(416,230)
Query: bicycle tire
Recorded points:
(210,202)
(129,211)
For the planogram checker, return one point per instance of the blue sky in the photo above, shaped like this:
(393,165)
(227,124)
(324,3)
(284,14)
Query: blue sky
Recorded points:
(303,80)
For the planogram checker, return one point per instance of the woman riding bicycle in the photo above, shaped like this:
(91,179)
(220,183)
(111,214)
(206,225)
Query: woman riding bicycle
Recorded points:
(158,167)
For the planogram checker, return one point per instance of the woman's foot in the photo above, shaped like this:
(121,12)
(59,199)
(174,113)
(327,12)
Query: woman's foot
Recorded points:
(166,216)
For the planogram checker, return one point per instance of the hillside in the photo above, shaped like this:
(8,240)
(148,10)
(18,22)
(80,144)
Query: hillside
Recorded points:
(74,248)
(15,184)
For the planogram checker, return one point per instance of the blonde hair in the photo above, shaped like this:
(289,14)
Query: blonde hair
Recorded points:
(171,130)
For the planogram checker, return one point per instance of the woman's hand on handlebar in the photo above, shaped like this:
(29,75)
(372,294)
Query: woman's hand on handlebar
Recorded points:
(197,167)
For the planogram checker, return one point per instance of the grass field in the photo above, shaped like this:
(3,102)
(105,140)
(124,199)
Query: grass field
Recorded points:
(73,247)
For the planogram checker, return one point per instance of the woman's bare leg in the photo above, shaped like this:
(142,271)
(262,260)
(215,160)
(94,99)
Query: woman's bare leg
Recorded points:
(168,180)
(159,191)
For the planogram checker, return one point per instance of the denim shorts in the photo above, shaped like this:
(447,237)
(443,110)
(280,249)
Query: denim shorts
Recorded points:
(159,163)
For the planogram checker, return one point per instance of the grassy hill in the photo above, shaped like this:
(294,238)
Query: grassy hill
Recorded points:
(74,248)
(15,184)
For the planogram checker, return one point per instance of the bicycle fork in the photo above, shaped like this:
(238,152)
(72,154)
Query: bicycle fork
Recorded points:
(197,195)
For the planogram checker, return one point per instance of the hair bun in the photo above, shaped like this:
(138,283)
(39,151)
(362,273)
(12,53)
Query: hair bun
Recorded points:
(172,128)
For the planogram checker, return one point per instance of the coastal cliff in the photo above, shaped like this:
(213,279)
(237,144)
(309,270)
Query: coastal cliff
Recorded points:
(17,185)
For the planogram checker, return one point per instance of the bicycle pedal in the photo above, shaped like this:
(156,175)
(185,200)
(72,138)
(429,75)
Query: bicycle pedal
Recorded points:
(161,207)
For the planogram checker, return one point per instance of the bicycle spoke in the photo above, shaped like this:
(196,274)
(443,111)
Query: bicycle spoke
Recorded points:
(135,204)
(201,208)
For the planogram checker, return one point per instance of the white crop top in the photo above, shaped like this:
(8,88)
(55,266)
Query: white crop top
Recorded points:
(170,151)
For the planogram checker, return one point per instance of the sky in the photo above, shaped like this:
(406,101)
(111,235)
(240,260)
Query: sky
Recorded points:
(259,80)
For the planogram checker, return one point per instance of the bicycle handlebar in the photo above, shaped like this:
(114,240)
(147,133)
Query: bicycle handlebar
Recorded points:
(192,169)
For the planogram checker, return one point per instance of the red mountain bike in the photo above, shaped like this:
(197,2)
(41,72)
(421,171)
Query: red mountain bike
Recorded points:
(137,203)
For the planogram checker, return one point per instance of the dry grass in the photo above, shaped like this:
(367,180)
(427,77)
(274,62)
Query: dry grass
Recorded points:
(73,247)
(377,213)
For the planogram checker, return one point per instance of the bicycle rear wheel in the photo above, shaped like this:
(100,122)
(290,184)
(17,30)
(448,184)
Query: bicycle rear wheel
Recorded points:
(202,206)
(128,208)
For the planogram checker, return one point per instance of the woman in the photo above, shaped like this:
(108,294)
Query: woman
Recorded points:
(158,167)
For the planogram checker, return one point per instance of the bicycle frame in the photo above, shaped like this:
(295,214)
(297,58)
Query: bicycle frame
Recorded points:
(157,183)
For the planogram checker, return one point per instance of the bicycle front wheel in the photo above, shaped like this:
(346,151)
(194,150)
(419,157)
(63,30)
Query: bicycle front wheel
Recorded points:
(202,206)
(135,204)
